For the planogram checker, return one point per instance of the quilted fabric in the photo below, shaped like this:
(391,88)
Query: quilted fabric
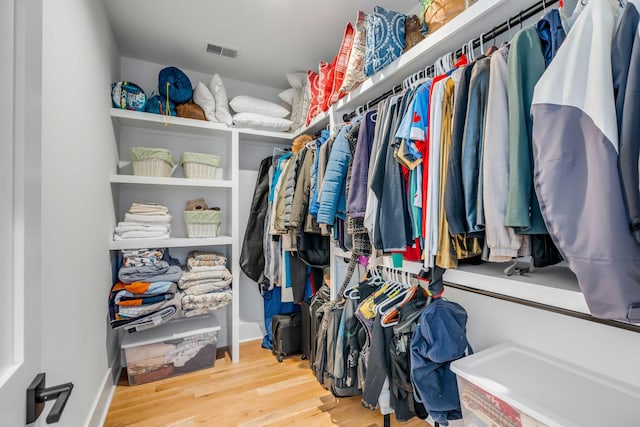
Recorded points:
(326,83)
(355,67)
(128,96)
(340,69)
(179,85)
(300,106)
(385,39)
(314,96)
(158,105)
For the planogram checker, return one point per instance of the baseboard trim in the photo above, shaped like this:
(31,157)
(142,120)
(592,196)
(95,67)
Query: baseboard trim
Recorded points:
(101,405)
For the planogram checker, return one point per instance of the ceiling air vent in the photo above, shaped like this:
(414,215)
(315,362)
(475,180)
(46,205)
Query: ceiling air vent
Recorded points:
(222,51)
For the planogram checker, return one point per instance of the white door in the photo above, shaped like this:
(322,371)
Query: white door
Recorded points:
(20,83)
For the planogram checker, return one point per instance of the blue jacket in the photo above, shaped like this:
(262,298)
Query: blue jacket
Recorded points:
(439,338)
(332,199)
(314,204)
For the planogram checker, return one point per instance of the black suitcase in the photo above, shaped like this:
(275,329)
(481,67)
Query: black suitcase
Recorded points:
(305,312)
(287,335)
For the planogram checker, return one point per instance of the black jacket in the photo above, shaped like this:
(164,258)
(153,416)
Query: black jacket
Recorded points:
(252,254)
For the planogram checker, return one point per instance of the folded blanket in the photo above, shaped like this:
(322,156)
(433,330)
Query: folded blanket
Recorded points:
(202,268)
(153,218)
(141,257)
(192,276)
(204,287)
(141,235)
(147,288)
(140,226)
(144,322)
(147,208)
(193,305)
(207,256)
(134,312)
(162,272)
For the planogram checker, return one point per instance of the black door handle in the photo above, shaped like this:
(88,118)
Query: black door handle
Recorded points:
(37,395)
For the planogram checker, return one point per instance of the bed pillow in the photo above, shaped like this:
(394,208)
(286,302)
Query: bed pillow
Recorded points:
(326,83)
(355,68)
(313,88)
(340,68)
(158,105)
(385,39)
(204,98)
(176,83)
(249,104)
(287,95)
(261,122)
(296,80)
(299,110)
(222,101)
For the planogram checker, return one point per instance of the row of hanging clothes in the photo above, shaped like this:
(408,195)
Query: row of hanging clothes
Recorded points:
(391,339)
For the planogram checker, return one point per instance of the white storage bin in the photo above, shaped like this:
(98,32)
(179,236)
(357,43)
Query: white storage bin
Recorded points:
(204,223)
(200,165)
(150,161)
(511,385)
(179,347)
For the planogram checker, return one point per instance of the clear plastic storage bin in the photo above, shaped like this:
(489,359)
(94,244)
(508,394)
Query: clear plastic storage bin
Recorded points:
(182,346)
(513,386)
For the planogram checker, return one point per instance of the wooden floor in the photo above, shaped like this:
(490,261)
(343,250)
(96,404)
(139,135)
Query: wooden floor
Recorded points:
(258,391)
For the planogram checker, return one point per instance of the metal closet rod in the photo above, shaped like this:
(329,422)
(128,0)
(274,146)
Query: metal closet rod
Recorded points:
(489,35)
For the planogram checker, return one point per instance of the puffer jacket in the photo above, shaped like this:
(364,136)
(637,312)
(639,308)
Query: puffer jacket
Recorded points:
(290,189)
(300,199)
(317,173)
(332,198)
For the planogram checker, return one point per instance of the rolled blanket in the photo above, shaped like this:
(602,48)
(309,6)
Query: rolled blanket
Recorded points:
(194,276)
(162,272)
(205,286)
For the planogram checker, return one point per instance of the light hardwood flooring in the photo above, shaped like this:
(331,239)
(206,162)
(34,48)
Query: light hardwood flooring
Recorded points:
(257,391)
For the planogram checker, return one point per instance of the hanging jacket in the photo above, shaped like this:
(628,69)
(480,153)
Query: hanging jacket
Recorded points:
(525,66)
(357,198)
(332,198)
(300,199)
(626,74)
(281,206)
(575,143)
(551,34)
(252,253)
(454,194)
(472,145)
(503,241)
(316,175)
(290,189)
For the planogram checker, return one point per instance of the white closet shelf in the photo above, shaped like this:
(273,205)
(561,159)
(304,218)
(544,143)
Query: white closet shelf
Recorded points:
(555,286)
(169,181)
(318,123)
(152,121)
(174,242)
(475,20)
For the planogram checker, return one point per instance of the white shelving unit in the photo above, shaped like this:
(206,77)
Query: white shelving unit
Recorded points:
(179,135)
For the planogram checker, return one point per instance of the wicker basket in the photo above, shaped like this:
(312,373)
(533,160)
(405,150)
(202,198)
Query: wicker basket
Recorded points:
(203,223)
(199,171)
(200,165)
(152,167)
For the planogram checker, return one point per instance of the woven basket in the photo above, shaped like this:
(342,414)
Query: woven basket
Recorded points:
(199,171)
(202,223)
(152,167)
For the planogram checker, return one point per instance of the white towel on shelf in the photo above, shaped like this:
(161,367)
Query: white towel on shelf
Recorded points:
(148,208)
(154,219)
(141,235)
(136,226)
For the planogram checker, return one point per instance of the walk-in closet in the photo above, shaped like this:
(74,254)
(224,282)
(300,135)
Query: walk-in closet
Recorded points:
(363,213)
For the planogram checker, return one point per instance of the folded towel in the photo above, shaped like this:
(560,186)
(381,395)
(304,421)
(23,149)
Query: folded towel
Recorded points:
(137,207)
(153,218)
(141,226)
(141,235)
(204,287)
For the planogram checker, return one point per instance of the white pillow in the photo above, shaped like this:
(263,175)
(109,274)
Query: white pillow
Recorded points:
(296,80)
(222,101)
(248,104)
(203,97)
(287,95)
(261,122)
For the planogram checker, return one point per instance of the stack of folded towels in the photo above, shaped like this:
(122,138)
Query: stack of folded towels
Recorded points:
(145,221)
(205,284)
(146,294)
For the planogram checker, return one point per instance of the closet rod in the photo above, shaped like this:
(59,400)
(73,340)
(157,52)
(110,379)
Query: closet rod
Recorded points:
(507,25)
(545,307)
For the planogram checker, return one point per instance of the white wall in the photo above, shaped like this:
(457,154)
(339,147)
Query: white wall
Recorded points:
(605,349)
(145,74)
(80,59)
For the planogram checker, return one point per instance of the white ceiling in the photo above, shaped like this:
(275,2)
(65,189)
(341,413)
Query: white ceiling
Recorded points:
(272,37)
